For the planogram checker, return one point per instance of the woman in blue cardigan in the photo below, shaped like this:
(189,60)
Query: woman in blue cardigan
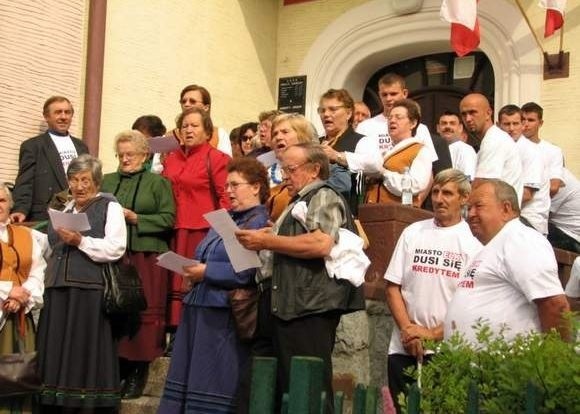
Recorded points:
(208,355)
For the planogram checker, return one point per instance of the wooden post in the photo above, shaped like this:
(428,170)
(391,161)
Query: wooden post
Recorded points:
(532,393)
(371,400)
(414,400)
(338,402)
(359,399)
(472,399)
(263,385)
(306,376)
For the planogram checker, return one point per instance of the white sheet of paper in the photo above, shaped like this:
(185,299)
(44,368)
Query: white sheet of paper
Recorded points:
(267,159)
(162,144)
(174,262)
(69,221)
(240,257)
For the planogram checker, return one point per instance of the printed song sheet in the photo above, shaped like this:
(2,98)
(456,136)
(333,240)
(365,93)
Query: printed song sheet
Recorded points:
(240,257)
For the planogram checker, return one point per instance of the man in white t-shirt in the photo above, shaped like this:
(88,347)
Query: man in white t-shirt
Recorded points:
(463,156)
(423,273)
(512,283)
(564,222)
(532,118)
(43,161)
(573,286)
(392,88)
(498,156)
(536,195)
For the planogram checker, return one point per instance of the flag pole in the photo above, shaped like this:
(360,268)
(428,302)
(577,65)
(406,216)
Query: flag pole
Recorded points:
(562,37)
(530,26)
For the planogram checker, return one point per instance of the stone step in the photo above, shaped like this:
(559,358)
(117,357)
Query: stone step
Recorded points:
(143,405)
(156,379)
(152,392)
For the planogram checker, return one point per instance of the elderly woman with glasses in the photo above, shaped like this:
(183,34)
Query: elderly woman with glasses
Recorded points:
(408,152)
(77,354)
(208,355)
(336,111)
(149,210)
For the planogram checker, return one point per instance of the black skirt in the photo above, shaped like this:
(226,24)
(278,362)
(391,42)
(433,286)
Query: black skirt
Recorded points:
(76,351)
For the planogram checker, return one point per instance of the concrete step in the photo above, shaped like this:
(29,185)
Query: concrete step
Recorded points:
(153,391)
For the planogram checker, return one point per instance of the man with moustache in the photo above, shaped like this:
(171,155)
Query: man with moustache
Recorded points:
(498,156)
(300,305)
(43,162)
(536,195)
(512,283)
(423,273)
(463,156)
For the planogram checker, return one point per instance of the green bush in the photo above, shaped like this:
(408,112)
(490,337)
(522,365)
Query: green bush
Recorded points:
(502,372)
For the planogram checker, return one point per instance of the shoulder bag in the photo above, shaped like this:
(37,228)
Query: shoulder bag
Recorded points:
(243,301)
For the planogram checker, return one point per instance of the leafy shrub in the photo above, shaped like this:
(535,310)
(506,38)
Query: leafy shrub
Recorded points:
(502,372)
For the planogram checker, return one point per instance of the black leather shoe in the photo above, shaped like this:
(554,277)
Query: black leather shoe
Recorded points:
(135,382)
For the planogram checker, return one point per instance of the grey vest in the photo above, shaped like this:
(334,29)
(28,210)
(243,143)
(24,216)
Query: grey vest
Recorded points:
(70,267)
(302,287)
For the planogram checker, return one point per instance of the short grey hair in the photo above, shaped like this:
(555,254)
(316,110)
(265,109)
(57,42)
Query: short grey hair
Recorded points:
(451,175)
(503,193)
(135,137)
(315,154)
(4,187)
(87,162)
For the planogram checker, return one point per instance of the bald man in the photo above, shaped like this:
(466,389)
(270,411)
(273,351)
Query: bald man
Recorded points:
(498,157)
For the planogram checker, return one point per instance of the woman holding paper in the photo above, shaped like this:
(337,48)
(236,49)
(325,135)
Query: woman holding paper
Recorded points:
(149,211)
(77,354)
(208,356)
(197,173)
(21,288)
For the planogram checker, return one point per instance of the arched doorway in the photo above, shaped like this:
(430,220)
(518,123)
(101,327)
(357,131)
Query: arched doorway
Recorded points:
(437,82)
(373,35)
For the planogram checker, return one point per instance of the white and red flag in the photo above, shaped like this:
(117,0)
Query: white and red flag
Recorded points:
(554,15)
(462,14)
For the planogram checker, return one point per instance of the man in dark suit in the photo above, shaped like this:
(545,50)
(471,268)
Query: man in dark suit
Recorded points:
(43,161)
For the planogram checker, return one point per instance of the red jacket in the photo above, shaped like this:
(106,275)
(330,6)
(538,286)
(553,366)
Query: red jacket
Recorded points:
(190,182)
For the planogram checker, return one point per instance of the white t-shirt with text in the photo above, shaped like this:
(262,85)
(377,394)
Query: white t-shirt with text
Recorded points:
(500,284)
(426,262)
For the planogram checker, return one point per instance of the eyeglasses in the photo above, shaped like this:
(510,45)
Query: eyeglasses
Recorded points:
(332,109)
(291,169)
(245,138)
(233,185)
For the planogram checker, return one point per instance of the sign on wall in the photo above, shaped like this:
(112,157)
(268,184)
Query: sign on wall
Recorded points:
(292,94)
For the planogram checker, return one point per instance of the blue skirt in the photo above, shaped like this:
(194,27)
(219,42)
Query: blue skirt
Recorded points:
(206,363)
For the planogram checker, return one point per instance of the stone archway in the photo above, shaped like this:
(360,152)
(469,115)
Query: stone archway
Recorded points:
(374,35)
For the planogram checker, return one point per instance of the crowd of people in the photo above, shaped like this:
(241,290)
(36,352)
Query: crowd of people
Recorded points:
(484,254)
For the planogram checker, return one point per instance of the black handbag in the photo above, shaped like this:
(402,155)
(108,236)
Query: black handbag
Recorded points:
(123,289)
(18,374)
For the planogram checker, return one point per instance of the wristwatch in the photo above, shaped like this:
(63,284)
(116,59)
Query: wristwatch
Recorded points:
(341,158)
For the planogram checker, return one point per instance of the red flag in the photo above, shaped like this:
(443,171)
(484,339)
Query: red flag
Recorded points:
(554,15)
(462,14)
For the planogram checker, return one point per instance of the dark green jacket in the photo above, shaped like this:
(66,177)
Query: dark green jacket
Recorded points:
(302,287)
(150,196)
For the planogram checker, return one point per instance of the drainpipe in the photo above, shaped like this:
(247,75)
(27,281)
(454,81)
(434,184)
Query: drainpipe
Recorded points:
(94,74)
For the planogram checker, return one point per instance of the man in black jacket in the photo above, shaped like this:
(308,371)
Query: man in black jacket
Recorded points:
(43,161)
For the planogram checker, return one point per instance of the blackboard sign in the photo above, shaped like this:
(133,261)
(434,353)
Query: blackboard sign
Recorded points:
(292,94)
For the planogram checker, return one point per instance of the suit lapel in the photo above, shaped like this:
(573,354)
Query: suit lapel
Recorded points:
(54,160)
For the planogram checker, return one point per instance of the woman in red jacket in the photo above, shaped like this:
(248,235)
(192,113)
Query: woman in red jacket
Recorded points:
(197,172)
